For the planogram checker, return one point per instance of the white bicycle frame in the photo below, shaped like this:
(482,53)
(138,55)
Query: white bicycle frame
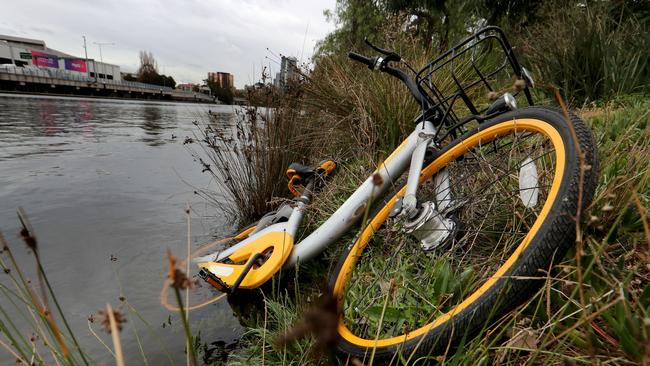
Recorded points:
(411,152)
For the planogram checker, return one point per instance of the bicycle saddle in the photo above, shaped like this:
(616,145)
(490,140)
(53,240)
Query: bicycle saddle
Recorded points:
(299,174)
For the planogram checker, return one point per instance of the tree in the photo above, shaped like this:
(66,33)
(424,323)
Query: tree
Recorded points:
(435,22)
(170,82)
(355,19)
(148,72)
(224,94)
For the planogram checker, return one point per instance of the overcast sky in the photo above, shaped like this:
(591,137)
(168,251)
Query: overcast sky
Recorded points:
(187,37)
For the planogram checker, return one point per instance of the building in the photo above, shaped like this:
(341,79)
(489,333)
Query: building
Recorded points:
(26,52)
(288,71)
(222,79)
(29,66)
(276,80)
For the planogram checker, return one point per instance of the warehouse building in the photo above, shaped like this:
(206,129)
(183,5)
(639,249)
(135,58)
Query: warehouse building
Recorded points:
(33,53)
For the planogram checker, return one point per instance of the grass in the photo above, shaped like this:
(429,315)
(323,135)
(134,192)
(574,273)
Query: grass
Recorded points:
(34,306)
(248,157)
(596,51)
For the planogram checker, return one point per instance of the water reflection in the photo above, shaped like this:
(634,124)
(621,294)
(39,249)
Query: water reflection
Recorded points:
(48,113)
(155,121)
(222,117)
(151,124)
(69,121)
(82,114)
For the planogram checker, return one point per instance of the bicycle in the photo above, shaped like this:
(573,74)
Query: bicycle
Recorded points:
(485,198)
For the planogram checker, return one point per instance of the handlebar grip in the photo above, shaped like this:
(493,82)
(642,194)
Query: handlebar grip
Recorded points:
(360,58)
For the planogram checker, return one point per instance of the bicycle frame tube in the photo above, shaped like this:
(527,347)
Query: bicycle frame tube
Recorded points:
(352,210)
(354,207)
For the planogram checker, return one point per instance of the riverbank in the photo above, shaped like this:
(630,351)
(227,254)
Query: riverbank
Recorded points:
(107,97)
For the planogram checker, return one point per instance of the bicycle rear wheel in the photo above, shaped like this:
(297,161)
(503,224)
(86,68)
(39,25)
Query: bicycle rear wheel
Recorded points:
(509,203)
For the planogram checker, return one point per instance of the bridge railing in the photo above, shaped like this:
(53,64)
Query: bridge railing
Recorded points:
(58,74)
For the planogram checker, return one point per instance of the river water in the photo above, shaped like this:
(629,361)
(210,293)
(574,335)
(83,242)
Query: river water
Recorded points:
(105,184)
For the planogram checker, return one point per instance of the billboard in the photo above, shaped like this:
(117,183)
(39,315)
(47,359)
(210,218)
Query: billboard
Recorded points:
(41,59)
(76,64)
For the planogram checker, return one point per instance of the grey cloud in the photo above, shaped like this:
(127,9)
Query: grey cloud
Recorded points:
(189,37)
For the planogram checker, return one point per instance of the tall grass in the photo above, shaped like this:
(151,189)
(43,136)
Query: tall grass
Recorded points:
(248,156)
(48,324)
(338,112)
(591,50)
(370,112)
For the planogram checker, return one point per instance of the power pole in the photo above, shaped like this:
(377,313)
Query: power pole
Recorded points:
(86,53)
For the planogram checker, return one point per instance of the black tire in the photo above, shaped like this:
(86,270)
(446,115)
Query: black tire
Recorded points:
(549,244)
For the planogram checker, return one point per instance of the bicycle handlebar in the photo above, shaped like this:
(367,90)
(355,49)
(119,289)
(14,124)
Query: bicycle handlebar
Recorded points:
(361,58)
(384,67)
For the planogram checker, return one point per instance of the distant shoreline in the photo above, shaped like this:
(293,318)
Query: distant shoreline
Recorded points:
(10,93)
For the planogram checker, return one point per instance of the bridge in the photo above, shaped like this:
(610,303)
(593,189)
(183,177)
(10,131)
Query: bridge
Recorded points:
(56,81)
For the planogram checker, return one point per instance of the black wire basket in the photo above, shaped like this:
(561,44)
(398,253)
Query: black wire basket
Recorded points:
(462,83)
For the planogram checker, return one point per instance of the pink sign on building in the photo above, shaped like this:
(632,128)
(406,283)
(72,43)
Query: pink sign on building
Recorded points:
(41,59)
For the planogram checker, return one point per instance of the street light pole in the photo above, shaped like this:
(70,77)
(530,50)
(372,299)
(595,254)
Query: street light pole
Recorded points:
(86,53)
(101,58)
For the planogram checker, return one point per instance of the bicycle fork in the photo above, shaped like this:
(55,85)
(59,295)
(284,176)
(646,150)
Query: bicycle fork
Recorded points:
(425,220)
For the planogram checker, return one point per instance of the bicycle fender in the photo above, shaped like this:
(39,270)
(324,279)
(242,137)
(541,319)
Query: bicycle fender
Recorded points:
(278,244)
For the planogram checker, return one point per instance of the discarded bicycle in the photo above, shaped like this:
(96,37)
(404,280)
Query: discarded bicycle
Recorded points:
(469,212)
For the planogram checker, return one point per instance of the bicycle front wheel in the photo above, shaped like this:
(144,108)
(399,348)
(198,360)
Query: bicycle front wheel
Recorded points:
(506,196)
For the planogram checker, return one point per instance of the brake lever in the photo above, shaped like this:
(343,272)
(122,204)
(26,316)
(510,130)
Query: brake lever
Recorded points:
(390,55)
(380,50)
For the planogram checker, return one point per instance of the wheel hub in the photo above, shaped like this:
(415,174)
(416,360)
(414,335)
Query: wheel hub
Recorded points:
(430,227)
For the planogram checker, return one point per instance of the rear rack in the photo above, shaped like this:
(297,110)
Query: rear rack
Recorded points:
(458,82)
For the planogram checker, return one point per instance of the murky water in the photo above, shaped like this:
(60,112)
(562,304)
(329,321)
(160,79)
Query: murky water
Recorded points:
(105,183)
